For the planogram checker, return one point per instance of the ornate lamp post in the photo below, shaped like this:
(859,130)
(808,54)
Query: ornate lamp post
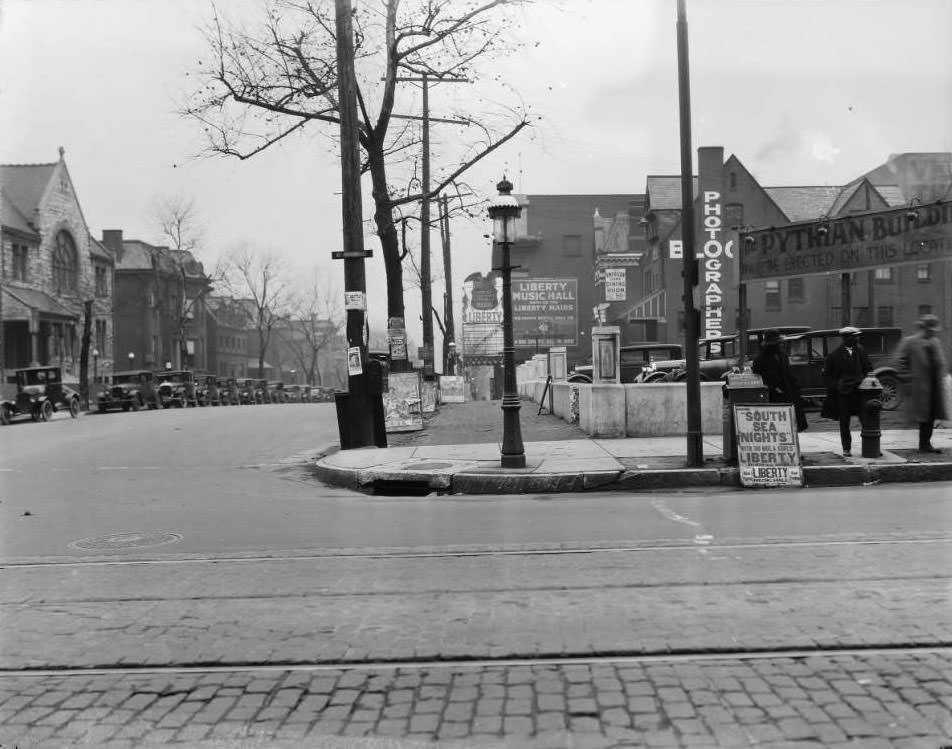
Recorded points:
(95,365)
(504,209)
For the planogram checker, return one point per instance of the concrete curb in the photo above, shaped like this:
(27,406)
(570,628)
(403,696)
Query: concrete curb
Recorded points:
(382,481)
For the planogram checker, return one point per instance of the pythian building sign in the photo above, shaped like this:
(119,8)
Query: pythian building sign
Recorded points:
(901,236)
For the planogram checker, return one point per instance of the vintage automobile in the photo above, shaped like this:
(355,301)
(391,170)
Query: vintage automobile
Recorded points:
(262,391)
(130,390)
(295,394)
(228,391)
(635,358)
(277,392)
(206,390)
(808,352)
(246,392)
(40,392)
(720,355)
(176,388)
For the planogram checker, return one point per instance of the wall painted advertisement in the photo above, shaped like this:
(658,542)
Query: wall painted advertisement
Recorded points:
(545,312)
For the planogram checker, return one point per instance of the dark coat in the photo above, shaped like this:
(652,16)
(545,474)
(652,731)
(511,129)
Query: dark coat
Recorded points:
(843,374)
(923,390)
(773,366)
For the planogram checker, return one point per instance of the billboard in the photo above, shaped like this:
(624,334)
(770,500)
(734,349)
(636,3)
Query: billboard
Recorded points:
(545,312)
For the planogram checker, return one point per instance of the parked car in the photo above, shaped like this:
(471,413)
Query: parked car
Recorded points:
(721,354)
(634,358)
(295,393)
(206,390)
(40,392)
(808,351)
(582,374)
(262,392)
(277,392)
(176,388)
(246,392)
(228,391)
(129,390)
(322,394)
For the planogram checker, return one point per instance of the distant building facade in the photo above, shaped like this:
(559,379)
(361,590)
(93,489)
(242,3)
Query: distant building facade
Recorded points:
(50,267)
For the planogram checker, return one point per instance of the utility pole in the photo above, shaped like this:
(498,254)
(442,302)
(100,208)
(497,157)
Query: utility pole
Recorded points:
(355,415)
(449,337)
(426,294)
(695,449)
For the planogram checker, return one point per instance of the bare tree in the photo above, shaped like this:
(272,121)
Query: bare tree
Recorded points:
(257,280)
(261,86)
(178,224)
(314,324)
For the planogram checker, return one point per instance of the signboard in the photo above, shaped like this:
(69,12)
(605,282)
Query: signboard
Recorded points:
(397,340)
(354,366)
(553,301)
(675,249)
(713,255)
(355,300)
(452,389)
(898,236)
(615,284)
(402,403)
(428,396)
(768,451)
(482,315)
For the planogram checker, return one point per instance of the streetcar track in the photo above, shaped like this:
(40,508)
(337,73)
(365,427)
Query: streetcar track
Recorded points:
(686,545)
(465,662)
(391,593)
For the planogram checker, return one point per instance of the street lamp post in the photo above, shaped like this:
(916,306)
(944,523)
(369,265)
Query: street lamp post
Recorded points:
(504,209)
(95,365)
(132,359)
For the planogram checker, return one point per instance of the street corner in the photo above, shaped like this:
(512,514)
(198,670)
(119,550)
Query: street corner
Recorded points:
(528,481)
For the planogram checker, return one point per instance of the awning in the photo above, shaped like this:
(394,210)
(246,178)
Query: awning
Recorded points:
(39,301)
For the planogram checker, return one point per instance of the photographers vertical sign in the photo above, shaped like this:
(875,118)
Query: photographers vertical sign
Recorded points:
(768,450)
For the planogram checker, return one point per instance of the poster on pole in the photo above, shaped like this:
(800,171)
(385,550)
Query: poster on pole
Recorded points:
(354,366)
(768,449)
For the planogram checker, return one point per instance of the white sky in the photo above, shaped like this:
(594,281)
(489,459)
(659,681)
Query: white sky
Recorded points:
(805,92)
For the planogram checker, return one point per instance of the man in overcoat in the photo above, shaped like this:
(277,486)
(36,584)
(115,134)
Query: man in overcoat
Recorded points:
(922,365)
(844,370)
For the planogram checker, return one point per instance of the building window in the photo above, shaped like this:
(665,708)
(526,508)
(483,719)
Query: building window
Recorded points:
(772,295)
(102,283)
(65,263)
(883,275)
(795,290)
(924,273)
(734,214)
(861,317)
(571,244)
(20,262)
(101,337)
(884,317)
(925,309)
(733,180)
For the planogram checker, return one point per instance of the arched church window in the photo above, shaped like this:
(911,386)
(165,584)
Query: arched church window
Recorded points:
(65,263)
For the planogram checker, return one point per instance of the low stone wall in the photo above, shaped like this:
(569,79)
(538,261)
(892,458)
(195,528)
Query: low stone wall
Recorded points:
(634,410)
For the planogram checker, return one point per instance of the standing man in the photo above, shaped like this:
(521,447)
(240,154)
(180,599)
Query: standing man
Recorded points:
(773,365)
(922,365)
(844,370)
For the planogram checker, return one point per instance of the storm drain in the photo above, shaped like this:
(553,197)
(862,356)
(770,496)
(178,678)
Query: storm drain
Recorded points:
(398,487)
(125,541)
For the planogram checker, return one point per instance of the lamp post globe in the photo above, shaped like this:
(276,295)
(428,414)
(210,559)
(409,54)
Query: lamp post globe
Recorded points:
(95,353)
(503,210)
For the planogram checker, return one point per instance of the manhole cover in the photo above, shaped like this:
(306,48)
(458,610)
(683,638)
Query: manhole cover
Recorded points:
(428,466)
(126,541)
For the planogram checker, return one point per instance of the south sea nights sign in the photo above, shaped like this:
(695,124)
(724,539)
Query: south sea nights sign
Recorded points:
(768,451)
(899,236)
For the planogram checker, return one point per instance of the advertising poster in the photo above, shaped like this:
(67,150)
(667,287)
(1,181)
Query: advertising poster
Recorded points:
(545,311)
(354,367)
(429,394)
(452,389)
(402,403)
(482,314)
(768,451)
(615,285)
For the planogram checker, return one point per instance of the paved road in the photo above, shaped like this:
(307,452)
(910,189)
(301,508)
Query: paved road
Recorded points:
(292,613)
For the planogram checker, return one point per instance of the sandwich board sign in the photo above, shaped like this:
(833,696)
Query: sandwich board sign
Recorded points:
(768,449)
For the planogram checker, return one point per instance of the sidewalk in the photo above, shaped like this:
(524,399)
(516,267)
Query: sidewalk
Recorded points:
(458,452)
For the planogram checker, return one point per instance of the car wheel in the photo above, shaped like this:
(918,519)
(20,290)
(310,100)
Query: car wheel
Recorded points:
(46,411)
(74,407)
(137,403)
(6,415)
(892,394)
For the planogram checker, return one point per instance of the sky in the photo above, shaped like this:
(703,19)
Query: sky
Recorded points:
(804,92)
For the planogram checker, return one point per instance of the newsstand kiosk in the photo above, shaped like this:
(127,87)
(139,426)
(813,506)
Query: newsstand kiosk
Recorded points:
(741,388)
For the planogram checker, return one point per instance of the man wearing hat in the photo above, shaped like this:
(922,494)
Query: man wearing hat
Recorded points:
(922,365)
(844,370)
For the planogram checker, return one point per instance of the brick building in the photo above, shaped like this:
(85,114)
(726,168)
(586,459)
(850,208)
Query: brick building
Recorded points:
(51,266)
(227,335)
(160,312)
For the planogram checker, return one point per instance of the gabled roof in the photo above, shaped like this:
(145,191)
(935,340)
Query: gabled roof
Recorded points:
(892,194)
(14,219)
(804,203)
(99,250)
(663,192)
(25,184)
(39,300)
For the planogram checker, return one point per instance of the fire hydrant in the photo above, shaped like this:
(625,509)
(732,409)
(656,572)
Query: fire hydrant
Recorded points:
(870,390)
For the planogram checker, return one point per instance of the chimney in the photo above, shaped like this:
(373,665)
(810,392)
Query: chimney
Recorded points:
(112,238)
